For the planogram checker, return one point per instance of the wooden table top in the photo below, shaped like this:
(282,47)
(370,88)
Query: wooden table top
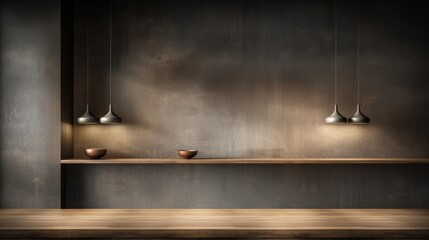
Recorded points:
(212,223)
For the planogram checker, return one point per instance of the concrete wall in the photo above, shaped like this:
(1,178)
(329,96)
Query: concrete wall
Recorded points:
(252,79)
(249,186)
(29,104)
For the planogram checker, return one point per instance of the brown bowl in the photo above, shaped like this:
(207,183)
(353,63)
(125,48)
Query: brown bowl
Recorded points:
(188,154)
(95,153)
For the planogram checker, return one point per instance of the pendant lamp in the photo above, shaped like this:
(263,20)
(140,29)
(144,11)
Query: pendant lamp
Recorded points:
(335,117)
(87,117)
(110,117)
(358,117)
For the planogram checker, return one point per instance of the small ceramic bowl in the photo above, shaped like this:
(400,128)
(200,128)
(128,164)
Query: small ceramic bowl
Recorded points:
(95,153)
(188,154)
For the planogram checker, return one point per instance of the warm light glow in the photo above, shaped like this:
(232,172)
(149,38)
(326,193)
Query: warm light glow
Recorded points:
(339,133)
(66,129)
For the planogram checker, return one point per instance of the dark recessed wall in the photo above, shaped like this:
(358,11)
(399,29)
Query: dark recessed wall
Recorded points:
(252,79)
(67,79)
(30,104)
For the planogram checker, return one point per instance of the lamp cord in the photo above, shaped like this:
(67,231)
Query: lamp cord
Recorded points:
(87,58)
(358,54)
(335,57)
(110,54)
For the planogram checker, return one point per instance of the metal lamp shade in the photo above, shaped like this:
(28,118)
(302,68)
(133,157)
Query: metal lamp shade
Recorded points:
(87,118)
(358,117)
(336,117)
(110,117)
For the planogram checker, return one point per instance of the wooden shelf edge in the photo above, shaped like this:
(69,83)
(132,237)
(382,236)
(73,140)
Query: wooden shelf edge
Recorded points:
(250,161)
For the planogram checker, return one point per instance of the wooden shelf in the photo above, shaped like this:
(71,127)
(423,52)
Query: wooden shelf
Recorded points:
(251,161)
(214,223)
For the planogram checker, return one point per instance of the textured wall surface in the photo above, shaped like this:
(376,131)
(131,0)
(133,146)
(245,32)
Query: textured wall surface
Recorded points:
(29,104)
(252,79)
(250,186)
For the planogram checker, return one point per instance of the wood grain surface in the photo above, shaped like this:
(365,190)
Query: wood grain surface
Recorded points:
(250,161)
(211,223)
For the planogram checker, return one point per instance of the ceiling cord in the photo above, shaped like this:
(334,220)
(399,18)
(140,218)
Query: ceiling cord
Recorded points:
(110,53)
(358,54)
(87,57)
(335,58)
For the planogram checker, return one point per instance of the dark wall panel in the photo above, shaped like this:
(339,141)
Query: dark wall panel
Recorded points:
(253,79)
(250,186)
(30,104)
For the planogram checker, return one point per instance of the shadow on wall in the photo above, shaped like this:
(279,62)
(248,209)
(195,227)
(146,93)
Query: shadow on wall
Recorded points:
(67,65)
(1,104)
